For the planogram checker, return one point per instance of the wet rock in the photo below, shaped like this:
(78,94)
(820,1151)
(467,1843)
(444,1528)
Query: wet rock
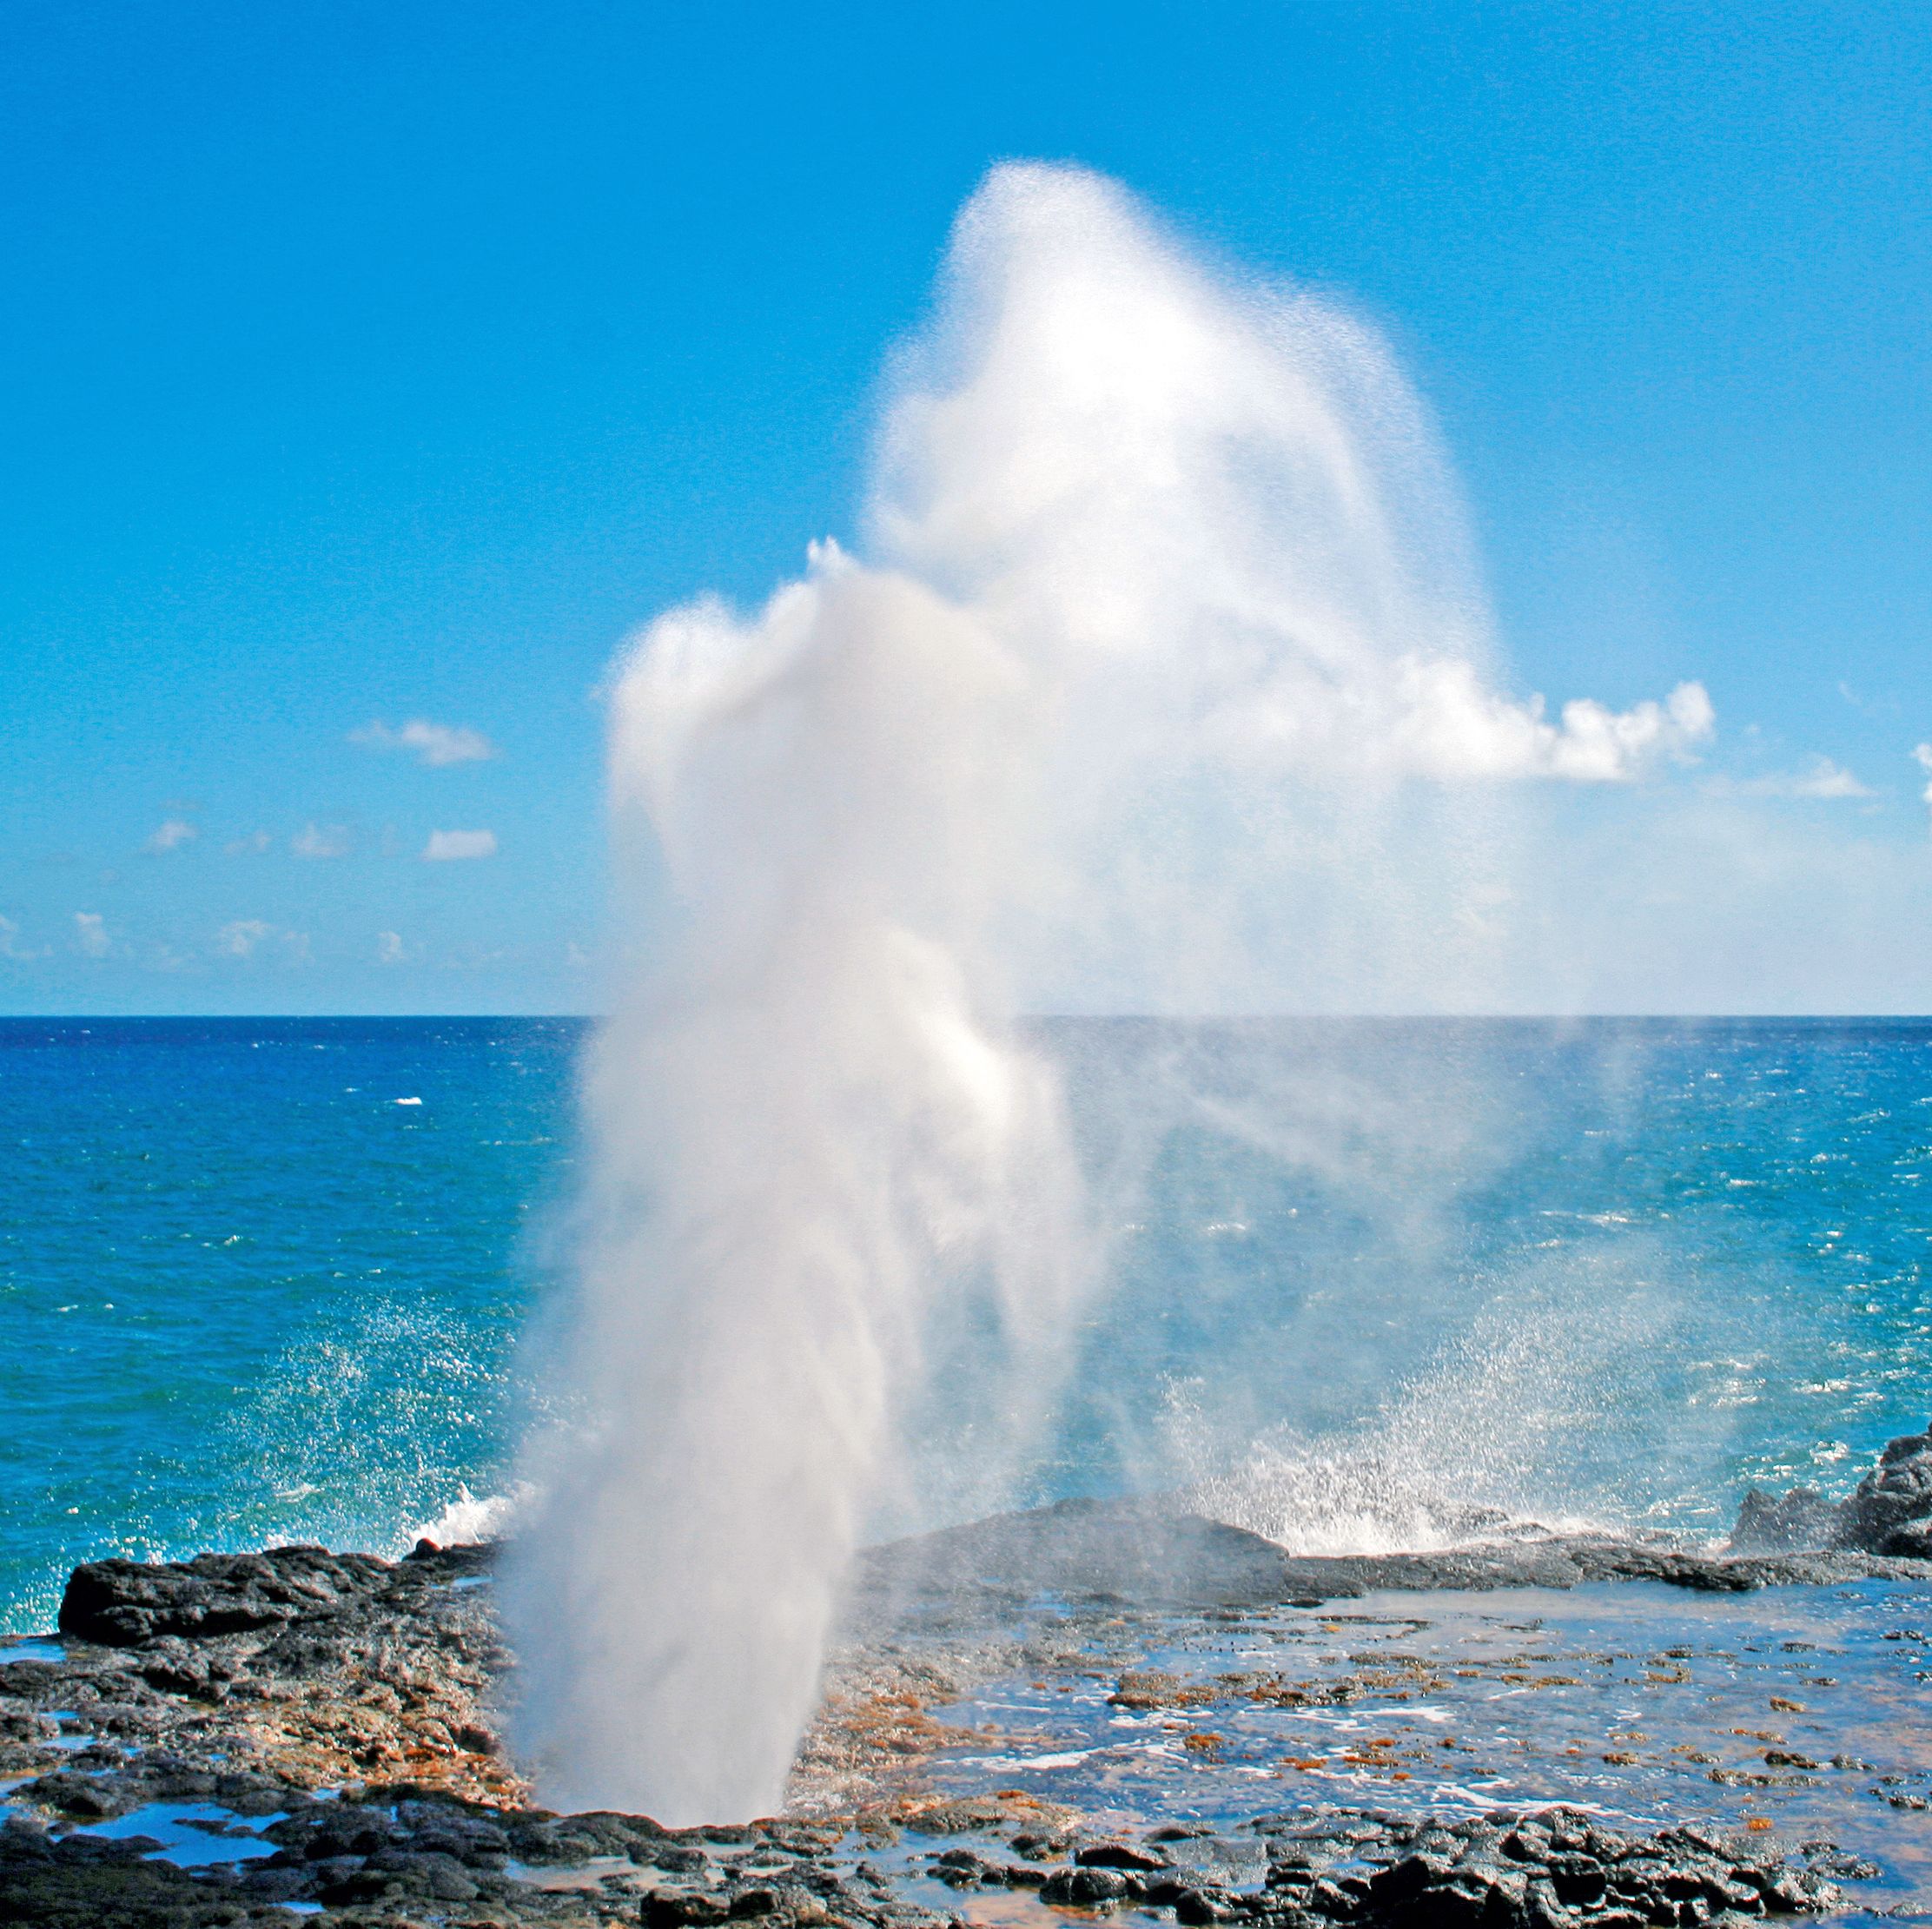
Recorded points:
(1165,1891)
(955,1818)
(1411,1877)
(679,1858)
(85,1798)
(666,1910)
(1798,1892)
(1036,1845)
(1827,1859)
(247,1681)
(1577,1879)
(1912,1540)
(1119,1855)
(1889,1513)
(1199,1905)
(1341,1901)
(122,1603)
(1089,1888)
(1894,1500)
(1543,1908)
(83,1882)
(959,1869)
(442,1875)
(27,1678)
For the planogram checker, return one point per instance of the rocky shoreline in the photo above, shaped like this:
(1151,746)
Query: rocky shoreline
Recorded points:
(391,1857)
(243,1739)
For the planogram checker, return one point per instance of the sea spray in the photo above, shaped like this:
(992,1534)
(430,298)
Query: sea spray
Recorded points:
(1164,683)
(810,1125)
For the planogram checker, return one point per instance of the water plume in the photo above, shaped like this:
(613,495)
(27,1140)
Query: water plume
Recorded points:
(1163,682)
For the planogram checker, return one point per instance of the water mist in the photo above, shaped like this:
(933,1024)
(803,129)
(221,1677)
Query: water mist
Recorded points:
(1163,683)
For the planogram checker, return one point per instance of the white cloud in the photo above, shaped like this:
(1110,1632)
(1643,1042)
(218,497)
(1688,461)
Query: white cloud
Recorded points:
(1444,723)
(241,938)
(389,948)
(90,934)
(435,744)
(255,841)
(321,841)
(245,936)
(1436,716)
(1819,777)
(1922,754)
(168,837)
(10,946)
(445,846)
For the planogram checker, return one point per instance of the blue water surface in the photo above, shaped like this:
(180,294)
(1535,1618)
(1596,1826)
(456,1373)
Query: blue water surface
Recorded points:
(248,1296)
(1618,1270)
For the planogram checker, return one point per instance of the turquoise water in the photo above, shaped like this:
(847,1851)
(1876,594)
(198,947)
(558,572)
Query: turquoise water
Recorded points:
(1613,1271)
(248,1296)
(1617,1271)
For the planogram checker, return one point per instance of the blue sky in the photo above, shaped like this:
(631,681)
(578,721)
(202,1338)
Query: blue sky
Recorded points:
(369,366)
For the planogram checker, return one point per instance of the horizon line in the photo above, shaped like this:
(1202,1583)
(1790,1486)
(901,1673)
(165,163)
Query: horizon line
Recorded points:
(1023,1018)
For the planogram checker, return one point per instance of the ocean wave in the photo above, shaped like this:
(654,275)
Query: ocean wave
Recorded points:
(1501,1438)
(469,1520)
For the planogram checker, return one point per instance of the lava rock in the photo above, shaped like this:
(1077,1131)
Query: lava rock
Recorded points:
(1194,1906)
(1894,1497)
(1119,1855)
(124,1603)
(1088,1888)
(1889,1513)
(664,1911)
(1577,1879)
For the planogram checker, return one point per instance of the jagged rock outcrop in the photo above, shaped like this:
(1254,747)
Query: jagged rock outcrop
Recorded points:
(1889,1513)
(125,1604)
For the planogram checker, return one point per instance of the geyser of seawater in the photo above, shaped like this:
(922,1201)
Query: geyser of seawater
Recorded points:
(1162,686)
(806,1127)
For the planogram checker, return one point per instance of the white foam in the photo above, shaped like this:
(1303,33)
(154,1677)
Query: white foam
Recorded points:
(469,1521)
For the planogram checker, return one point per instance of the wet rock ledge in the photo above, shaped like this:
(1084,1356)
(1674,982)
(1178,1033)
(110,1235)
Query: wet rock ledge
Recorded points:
(392,1857)
(310,1731)
(250,1739)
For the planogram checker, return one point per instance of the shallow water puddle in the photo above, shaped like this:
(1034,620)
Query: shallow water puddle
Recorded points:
(70,1739)
(573,1875)
(193,1835)
(1799,1710)
(32,1648)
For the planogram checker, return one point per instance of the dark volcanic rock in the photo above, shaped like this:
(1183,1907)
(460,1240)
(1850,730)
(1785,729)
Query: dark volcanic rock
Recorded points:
(1889,1513)
(81,1882)
(1803,1519)
(1119,1855)
(1088,1888)
(344,1702)
(1149,1553)
(1893,1503)
(323,1669)
(1138,1551)
(124,1603)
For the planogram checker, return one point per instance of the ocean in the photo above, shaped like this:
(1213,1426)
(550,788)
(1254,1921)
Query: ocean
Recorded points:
(1368,1282)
